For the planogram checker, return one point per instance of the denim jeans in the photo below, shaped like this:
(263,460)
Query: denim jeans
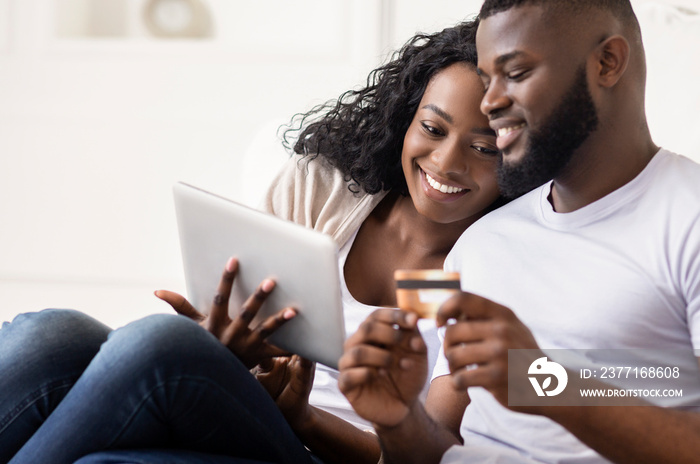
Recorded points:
(161,389)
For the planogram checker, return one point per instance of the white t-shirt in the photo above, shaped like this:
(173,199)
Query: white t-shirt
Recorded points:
(325,393)
(622,272)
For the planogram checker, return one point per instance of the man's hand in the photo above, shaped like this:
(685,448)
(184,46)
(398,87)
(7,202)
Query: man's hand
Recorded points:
(384,367)
(246,342)
(476,345)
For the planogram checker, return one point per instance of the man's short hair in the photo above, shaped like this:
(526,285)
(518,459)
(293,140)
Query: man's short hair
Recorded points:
(620,9)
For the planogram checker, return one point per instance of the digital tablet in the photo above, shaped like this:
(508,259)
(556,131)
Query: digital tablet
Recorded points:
(303,262)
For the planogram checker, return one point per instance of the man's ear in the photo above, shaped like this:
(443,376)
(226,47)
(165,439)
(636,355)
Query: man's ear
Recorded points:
(613,55)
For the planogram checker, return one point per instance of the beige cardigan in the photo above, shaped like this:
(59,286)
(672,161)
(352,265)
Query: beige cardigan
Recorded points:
(315,194)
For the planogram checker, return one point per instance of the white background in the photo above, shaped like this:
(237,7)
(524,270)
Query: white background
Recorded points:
(94,130)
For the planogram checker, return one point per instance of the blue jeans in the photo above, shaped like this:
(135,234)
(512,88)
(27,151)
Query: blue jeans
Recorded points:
(160,389)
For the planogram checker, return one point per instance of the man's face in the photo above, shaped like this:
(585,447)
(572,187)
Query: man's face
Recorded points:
(551,146)
(537,98)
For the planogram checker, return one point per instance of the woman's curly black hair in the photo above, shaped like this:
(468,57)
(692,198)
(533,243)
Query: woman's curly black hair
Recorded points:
(361,133)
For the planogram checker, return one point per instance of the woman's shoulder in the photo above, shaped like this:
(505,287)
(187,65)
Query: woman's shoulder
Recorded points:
(310,191)
(305,178)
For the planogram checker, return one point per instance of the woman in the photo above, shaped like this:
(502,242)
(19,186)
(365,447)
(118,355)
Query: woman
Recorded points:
(394,172)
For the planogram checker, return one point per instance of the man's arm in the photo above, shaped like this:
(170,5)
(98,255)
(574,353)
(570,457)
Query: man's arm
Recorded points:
(634,434)
(638,433)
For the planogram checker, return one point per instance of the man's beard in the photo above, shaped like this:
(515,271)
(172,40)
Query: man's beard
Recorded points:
(551,147)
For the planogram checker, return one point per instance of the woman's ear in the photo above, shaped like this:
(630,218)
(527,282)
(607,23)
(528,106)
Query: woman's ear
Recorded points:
(613,55)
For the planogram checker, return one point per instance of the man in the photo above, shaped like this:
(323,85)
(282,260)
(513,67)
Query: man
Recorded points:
(607,255)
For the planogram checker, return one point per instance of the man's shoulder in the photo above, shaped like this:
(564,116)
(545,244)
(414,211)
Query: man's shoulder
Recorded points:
(523,206)
(674,163)
(678,174)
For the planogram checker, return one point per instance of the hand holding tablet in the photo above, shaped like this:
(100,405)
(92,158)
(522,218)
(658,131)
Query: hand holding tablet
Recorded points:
(302,262)
(245,338)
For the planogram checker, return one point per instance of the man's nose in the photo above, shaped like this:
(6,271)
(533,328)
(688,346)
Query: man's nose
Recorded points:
(495,98)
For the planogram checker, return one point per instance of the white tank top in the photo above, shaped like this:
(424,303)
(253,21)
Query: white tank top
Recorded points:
(325,393)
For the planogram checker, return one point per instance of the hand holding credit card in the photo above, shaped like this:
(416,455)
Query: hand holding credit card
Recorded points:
(422,291)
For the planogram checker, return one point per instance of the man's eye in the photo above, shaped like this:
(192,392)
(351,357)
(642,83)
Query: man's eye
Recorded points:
(516,75)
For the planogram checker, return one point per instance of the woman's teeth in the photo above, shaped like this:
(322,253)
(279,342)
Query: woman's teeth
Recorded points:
(441,187)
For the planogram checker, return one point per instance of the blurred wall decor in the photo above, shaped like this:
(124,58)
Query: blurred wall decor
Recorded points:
(132,18)
(177,18)
(104,104)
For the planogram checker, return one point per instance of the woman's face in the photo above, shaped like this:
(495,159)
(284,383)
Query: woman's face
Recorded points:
(449,152)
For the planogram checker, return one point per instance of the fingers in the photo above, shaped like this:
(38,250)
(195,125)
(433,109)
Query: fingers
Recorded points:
(219,310)
(272,323)
(465,306)
(302,371)
(252,305)
(477,344)
(466,354)
(304,364)
(266,365)
(401,319)
(365,356)
(385,327)
(489,376)
(179,304)
(354,378)
(385,339)
(467,332)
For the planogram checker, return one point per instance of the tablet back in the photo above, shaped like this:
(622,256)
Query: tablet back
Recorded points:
(302,261)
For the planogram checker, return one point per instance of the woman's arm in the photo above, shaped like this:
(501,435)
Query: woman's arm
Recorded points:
(289,381)
(336,441)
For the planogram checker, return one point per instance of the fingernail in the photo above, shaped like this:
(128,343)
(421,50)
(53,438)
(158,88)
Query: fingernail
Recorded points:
(412,318)
(268,285)
(231,264)
(288,314)
(416,343)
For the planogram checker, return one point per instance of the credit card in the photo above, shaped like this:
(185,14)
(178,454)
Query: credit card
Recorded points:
(423,291)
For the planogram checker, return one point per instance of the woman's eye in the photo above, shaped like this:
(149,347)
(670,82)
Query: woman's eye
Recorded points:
(432,130)
(487,151)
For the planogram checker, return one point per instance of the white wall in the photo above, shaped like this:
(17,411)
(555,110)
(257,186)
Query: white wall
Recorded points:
(93,133)
(94,130)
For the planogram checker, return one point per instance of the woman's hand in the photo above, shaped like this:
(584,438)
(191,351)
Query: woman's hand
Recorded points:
(248,343)
(289,380)
(384,367)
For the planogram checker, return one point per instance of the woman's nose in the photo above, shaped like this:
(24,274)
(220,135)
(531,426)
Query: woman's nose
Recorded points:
(450,158)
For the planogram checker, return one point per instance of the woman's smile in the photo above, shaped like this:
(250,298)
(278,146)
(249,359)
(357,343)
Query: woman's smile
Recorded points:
(438,191)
